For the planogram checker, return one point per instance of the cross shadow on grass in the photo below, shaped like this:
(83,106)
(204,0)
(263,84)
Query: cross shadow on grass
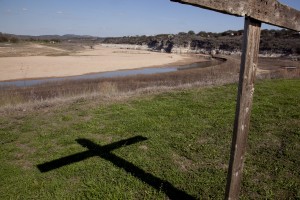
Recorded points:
(105,153)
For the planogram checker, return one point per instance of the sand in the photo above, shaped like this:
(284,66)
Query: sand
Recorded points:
(99,59)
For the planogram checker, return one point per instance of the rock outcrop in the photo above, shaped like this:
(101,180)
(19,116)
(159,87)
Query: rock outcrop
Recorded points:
(274,43)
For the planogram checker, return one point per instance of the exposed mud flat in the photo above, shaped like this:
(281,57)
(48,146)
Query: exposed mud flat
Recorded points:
(98,59)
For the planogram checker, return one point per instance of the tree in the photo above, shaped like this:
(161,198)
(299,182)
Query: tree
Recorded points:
(3,38)
(14,40)
(191,33)
(181,33)
(202,34)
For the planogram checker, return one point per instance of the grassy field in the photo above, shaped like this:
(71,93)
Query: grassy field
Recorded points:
(168,145)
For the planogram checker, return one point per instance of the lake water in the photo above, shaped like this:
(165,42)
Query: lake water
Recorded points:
(122,73)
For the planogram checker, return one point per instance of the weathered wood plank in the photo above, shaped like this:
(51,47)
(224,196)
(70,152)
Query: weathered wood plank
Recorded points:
(243,107)
(267,11)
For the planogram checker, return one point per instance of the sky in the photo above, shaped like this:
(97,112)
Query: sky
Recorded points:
(104,18)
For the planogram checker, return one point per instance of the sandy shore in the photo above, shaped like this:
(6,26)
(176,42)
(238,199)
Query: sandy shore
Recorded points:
(99,59)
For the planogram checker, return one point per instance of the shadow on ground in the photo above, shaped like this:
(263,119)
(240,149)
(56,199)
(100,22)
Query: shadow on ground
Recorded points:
(105,153)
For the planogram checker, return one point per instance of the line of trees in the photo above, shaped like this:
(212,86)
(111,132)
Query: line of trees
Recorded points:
(8,38)
(283,33)
(15,39)
(43,40)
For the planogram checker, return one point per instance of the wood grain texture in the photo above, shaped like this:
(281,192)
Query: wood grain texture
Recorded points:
(267,11)
(243,107)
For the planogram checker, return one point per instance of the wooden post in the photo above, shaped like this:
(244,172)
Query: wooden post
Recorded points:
(255,12)
(243,108)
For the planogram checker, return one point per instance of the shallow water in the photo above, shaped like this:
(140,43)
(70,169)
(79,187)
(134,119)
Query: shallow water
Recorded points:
(122,73)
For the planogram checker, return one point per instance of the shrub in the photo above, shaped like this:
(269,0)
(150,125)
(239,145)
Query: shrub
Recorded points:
(14,40)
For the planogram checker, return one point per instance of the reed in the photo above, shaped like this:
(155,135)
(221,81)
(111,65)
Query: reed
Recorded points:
(224,73)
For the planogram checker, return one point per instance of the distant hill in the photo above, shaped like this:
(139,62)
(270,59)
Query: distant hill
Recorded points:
(6,37)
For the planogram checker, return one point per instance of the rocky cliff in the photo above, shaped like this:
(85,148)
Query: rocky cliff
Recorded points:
(273,42)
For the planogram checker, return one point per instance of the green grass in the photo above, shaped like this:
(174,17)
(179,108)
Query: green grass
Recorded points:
(185,154)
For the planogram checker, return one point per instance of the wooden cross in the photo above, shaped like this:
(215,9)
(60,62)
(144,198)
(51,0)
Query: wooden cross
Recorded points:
(255,12)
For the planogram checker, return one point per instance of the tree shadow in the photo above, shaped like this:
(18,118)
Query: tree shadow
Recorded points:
(105,153)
